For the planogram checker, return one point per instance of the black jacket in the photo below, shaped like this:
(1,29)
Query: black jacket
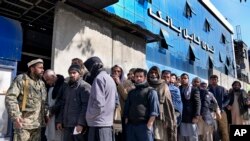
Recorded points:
(242,101)
(57,95)
(74,104)
(220,95)
(207,102)
(192,106)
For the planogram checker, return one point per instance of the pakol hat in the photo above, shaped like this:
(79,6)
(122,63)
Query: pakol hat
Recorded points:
(33,62)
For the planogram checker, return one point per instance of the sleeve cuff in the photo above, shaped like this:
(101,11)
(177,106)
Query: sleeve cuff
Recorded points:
(154,114)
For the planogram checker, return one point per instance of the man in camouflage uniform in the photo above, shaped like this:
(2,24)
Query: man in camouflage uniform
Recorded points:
(25,102)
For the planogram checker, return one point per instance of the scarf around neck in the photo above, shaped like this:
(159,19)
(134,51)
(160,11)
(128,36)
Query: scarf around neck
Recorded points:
(187,91)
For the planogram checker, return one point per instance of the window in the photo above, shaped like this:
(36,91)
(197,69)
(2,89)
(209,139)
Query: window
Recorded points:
(164,44)
(223,39)
(220,58)
(191,54)
(207,26)
(228,61)
(142,1)
(233,65)
(210,62)
(165,36)
(244,53)
(226,70)
(188,11)
(244,0)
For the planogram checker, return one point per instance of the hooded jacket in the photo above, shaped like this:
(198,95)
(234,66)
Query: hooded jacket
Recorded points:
(122,93)
(94,65)
(102,99)
(167,113)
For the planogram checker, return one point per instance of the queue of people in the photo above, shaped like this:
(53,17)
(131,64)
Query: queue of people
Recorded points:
(153,106)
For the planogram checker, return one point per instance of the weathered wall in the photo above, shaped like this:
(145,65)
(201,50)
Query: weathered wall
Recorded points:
(226,81)
(78,34)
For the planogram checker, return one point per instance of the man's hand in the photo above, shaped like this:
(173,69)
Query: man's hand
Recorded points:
(151,122)
(18,123)
(218,113)
(248,101)
(116,79)
(47,119)
(229,107)
(150,125)
(195,119)
(59,126)
(79,128)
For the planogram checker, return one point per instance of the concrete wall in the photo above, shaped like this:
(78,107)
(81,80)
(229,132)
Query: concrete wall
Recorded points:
(226,81)
(246,62)
(81,35)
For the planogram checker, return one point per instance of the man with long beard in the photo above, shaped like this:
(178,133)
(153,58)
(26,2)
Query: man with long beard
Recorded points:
(238,105)
(74,106)
(25,103)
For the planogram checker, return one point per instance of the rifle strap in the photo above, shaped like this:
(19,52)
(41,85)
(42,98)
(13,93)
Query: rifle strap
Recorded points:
(25,94)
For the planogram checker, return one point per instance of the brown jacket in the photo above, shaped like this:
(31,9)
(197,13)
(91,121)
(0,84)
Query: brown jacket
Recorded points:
(167,112)
(167,115)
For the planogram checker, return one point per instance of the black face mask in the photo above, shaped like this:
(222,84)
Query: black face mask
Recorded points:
(95,70)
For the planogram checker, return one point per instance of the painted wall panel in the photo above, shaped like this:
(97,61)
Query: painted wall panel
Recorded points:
(11,39)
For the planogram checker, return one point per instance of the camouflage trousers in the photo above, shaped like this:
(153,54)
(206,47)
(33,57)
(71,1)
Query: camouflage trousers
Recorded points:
(27,134)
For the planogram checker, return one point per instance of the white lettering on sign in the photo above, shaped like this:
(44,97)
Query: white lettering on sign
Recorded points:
(169,22)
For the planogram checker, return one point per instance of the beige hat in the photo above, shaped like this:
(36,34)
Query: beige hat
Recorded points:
(32,62)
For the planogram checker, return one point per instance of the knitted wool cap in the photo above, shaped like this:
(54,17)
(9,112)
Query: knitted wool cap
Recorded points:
(75,68)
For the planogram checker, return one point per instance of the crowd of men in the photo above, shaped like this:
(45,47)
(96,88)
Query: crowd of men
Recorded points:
(149,106)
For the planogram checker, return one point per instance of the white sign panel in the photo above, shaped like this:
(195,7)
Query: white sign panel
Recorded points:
(5,80)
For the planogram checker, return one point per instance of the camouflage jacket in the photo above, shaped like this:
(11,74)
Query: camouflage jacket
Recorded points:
(33,114)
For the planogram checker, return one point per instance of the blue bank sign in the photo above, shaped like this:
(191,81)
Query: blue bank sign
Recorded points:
(169,22)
